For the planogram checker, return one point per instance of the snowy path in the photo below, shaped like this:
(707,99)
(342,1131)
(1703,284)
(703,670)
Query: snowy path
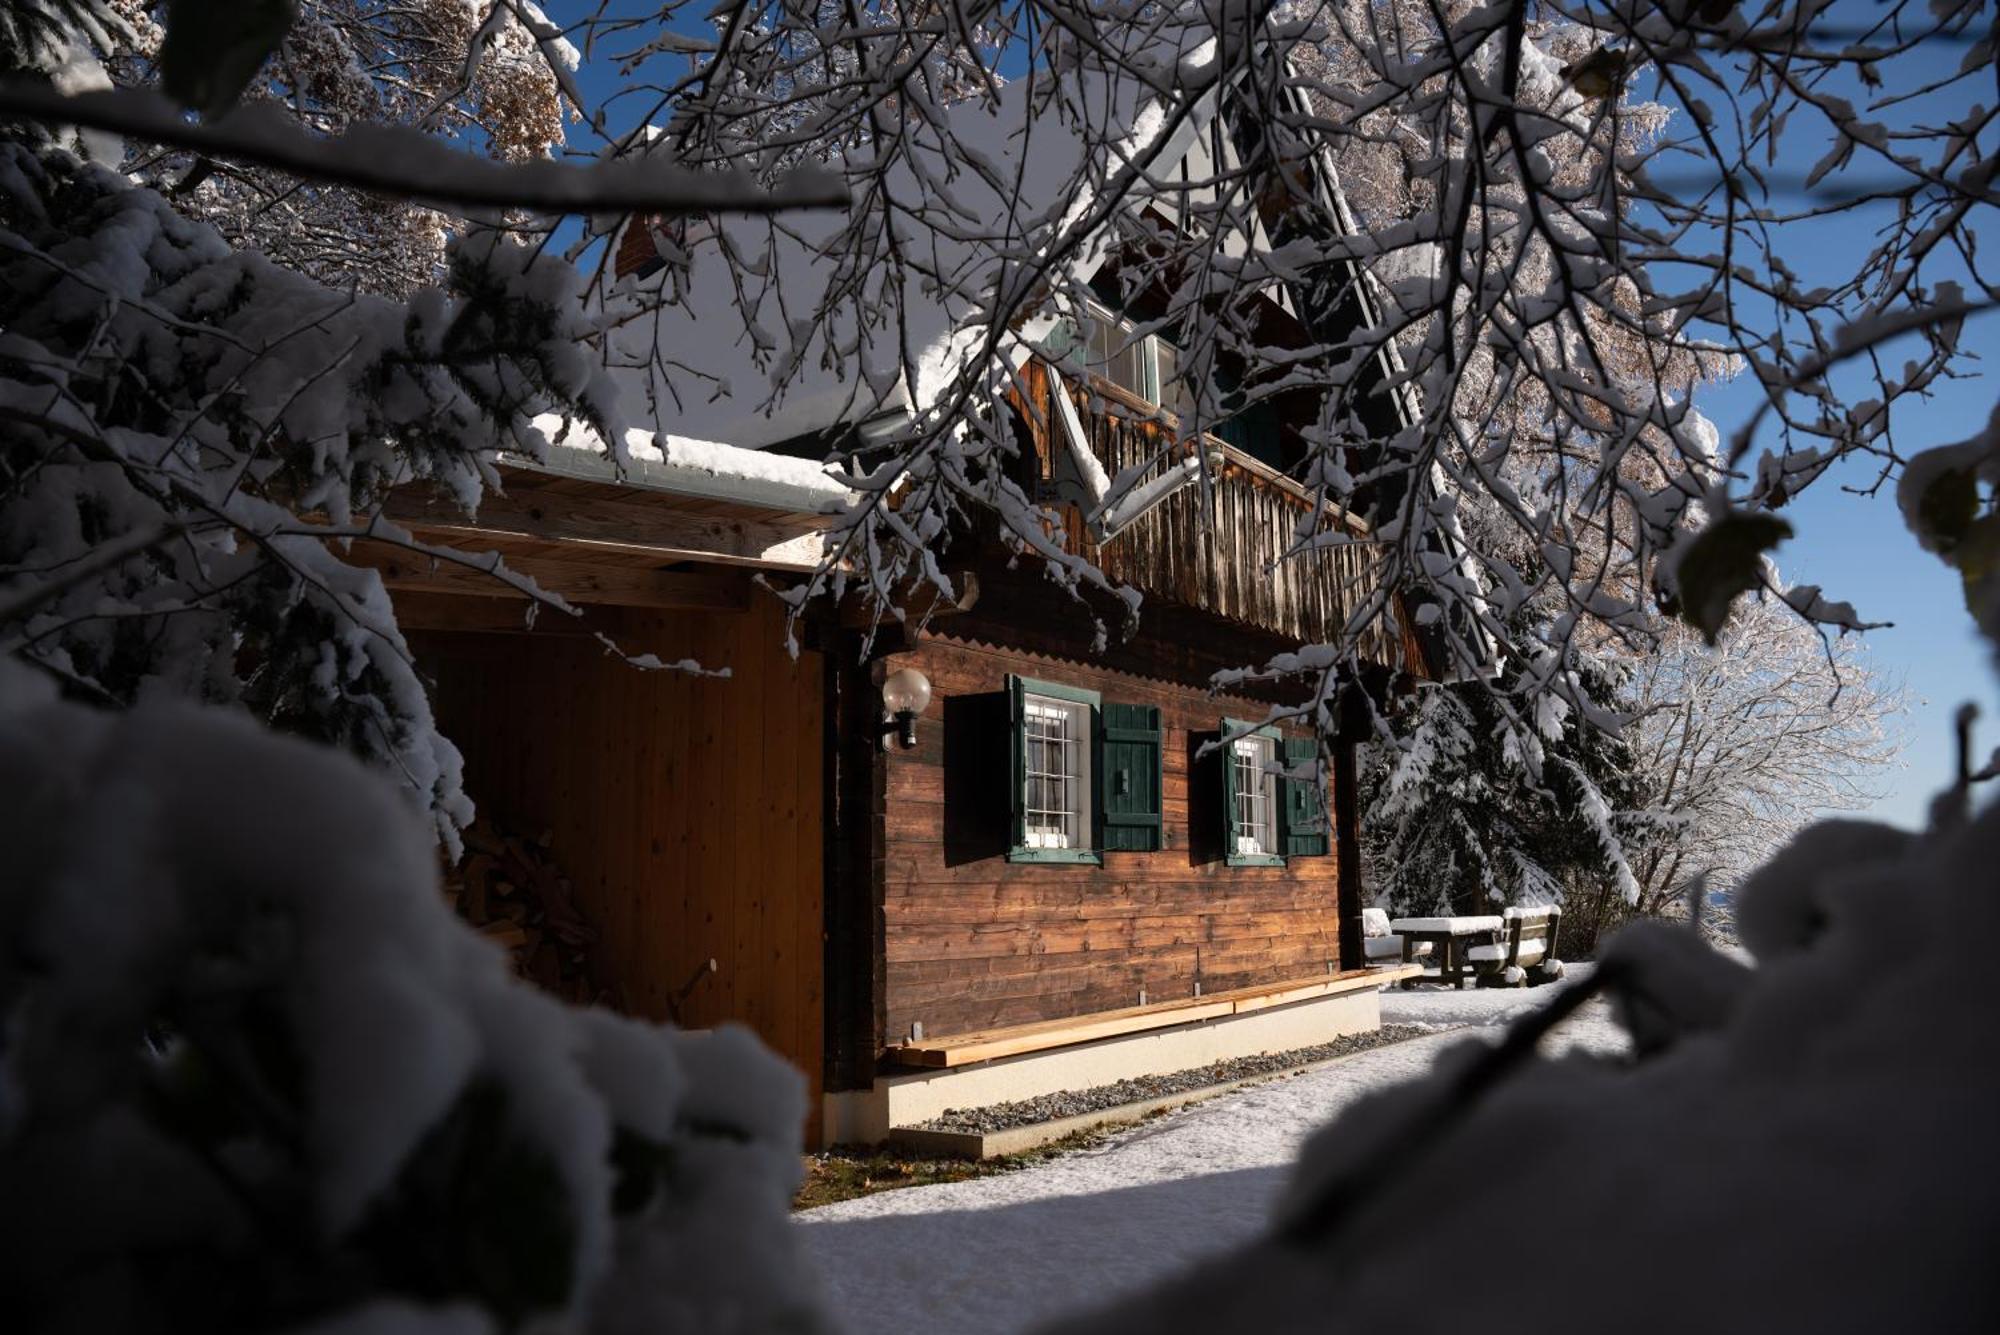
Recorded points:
(1000,1254)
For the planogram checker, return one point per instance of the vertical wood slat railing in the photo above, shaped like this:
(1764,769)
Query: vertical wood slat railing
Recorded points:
(1221,549)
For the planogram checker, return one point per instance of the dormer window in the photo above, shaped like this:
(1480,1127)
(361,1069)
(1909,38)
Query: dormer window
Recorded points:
(1146,367)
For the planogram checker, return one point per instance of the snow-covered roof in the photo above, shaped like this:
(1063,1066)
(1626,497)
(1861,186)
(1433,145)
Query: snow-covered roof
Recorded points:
(705,370)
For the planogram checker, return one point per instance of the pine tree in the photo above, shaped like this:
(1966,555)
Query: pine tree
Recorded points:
(1471,813)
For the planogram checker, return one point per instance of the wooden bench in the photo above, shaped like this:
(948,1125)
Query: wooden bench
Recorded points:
(1525,952)
(1381,946)
(1041,1036)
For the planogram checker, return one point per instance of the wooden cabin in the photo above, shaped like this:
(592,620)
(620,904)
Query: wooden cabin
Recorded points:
(1071,865)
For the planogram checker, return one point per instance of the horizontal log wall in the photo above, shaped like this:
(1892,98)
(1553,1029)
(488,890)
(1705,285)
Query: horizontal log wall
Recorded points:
(971,941)
(686,811)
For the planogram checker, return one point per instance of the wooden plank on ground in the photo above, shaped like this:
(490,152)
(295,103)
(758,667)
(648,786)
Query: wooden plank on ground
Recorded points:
(1018,1039)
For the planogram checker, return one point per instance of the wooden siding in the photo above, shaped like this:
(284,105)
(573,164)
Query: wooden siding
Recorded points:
(687,811)
(1221,548)
(972,941)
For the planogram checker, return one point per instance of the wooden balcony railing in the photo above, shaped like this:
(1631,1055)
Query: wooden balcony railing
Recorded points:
(1226,548)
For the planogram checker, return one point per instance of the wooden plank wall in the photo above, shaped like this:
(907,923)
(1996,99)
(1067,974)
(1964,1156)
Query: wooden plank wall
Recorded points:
(1221,549)
(687,811)
(971,941)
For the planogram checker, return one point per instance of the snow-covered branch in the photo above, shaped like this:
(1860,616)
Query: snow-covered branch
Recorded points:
(398,162)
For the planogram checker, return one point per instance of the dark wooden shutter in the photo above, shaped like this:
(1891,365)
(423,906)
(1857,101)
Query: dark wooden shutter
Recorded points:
(1129,779)
(1226,753)
(1017,715)
(1303,801)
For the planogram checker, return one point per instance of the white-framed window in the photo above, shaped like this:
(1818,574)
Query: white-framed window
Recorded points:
(1055,799)
(1055,772)
(1253,822)
(1173,393)
(1255,830)
(1147,367)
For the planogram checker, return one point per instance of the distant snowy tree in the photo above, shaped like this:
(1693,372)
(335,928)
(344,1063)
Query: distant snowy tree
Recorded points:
(457,68)
(1742,745)
(1730,751)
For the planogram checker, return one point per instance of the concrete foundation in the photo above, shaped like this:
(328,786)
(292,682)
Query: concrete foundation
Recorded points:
(905,1099)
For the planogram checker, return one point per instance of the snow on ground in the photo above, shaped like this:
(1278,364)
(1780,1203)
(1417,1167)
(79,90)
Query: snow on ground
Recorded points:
(1442,1008)
(1002,1254)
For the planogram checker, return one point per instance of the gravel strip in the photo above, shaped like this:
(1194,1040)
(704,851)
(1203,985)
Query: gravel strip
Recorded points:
(1070,1102)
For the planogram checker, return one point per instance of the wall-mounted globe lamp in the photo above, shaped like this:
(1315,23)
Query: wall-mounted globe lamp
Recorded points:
(905,694)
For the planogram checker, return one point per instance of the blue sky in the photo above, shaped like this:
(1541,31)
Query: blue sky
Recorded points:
(1854,546)
(1857,548)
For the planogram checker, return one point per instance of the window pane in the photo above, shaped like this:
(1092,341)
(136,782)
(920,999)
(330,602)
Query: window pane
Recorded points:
(1254,825)
(1128,367)
(1174,395)
(1103,340)
(1055,736)
(1115,354)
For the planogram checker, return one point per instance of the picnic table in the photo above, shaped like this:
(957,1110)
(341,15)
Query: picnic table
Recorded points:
(1453,939)
(1509,948)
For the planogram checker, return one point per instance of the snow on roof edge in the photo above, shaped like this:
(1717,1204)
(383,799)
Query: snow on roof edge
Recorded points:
(703,469)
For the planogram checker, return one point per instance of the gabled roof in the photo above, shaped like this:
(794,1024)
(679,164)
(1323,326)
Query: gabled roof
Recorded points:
(779,374)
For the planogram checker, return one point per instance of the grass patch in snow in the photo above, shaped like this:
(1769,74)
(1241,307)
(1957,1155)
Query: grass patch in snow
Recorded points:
(845,1172)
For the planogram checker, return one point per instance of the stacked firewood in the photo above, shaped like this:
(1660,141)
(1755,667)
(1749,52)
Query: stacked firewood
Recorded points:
(509,887)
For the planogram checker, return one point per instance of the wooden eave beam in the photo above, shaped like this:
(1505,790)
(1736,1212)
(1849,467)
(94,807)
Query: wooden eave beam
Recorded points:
(621,523)
(429,610)
(922,605)
(613,586)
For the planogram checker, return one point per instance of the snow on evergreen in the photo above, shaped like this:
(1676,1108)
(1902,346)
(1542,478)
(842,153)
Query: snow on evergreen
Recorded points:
(233,422)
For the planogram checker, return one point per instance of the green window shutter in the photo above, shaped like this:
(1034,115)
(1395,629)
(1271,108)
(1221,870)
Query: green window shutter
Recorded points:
(1230,727)
(1130,780)
(1302,802)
